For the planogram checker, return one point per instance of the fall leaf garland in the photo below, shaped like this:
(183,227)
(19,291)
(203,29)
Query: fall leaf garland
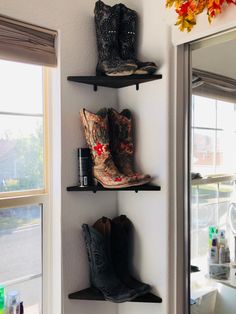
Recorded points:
(187,10)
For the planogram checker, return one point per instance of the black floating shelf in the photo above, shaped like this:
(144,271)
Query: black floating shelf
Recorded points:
(95,295)
(114,82)
(99,187)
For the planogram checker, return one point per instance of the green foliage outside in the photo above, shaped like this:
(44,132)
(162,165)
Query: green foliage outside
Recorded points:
(28,163)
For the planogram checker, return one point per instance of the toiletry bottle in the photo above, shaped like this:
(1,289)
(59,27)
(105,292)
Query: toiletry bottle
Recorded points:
(214,256)
(2,300)
(222,240)
(222,255)
(227,255)
(213,231)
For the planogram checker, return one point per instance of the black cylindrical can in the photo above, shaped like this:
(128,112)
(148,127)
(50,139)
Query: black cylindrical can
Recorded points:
(84,167)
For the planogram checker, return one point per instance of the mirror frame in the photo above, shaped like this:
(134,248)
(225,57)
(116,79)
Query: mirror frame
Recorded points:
(183,163)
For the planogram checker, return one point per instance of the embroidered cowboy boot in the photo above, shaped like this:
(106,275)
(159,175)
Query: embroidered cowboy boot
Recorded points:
(122,146)
(121,232)
(97,137)
(107,21)
(102,275)
(128,41)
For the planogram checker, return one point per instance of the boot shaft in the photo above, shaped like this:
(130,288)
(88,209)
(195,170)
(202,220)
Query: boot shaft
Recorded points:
(96,134)
(107,21)
(128,33)
(122,147)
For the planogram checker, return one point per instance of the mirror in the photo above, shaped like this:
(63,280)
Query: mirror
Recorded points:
(212,156)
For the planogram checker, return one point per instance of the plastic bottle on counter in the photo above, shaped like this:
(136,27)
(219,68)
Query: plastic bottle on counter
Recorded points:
(227,255)
(13,302)
(213,254)
(222,254)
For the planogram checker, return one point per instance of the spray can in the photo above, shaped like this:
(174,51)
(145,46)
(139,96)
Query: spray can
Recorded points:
(84,167)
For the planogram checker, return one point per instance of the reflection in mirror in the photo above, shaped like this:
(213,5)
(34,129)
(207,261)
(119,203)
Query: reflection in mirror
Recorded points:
(213,172)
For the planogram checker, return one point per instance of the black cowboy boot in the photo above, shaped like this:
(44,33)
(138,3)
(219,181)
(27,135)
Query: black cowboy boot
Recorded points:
(102,275)
(122,144)
(120,246)
(107,21)
(128,41)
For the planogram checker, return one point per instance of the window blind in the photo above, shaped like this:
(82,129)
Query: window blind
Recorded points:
(28,43)
(213,85)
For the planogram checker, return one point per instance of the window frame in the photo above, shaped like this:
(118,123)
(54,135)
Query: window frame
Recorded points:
(214,129)
(41,197)
(44,190)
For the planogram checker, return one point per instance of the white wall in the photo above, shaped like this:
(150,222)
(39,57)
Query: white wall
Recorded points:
(150,211)
(77,51)
(217,59)
(154,109)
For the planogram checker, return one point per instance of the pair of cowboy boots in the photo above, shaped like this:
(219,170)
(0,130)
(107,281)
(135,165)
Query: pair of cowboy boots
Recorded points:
(109,137)
(108,247)
(116,31)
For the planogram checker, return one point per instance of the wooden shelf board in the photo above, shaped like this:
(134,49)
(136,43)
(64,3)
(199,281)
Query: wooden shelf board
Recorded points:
(99,187)
(93,294)
(114,82)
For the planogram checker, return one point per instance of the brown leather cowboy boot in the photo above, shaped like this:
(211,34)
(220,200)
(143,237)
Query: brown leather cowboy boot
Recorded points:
(97,137)
(122,146)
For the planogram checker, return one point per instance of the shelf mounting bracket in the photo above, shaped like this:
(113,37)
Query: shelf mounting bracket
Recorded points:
(137,86)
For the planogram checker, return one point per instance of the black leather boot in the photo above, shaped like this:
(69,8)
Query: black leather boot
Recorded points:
(128,41)
(120,246)
(107,20)
(102,275)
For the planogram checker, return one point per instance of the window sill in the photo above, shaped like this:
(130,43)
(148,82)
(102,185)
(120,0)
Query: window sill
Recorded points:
(214,179)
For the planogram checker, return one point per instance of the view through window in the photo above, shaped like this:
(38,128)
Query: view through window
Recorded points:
(22,172)
(213,154)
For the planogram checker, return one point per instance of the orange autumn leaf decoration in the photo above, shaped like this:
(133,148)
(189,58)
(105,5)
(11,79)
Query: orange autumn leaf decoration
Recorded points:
(188,10)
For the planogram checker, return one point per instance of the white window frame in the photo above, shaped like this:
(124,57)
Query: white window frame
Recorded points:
(41,197)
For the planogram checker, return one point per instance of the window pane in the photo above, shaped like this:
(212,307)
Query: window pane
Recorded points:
(226,117)
(21,251)
(226,154)
(204,112)
(21,153)
(203,151)
(21,88)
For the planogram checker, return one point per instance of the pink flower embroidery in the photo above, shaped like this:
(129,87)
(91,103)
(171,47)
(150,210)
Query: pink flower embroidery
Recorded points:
(99,148)
(118,179)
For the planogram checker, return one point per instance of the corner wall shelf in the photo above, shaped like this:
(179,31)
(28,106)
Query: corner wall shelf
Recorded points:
(95,295)
(114,82)
(99,187)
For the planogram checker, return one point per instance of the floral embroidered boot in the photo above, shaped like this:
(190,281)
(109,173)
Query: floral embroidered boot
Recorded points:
(122,146)
(128,41)
(107,21)
(97,137)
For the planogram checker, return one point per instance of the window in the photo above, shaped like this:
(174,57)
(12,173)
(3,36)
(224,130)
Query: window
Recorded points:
(213,135)
(23,178)
(213,156)
(22,148)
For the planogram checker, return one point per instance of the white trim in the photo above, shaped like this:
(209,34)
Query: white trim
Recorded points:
(222,23)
